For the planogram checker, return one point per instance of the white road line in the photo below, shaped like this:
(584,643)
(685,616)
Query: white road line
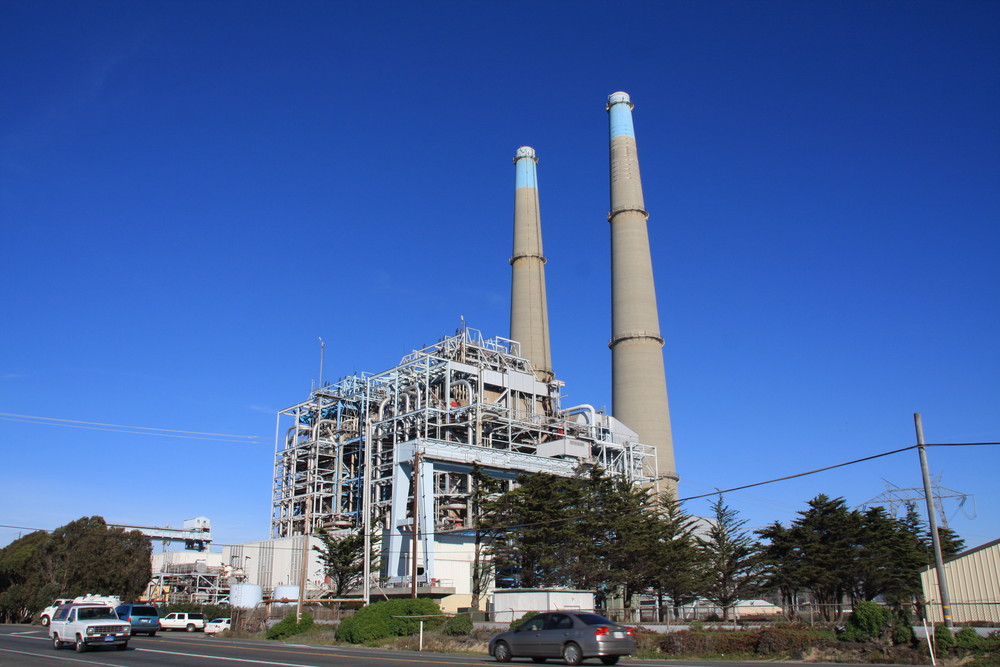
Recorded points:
(58,657)
(219,657)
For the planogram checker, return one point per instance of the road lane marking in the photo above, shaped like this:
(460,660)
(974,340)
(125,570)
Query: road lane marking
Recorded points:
(59,657)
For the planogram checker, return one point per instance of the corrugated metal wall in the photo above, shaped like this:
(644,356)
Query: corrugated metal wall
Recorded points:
(973,586)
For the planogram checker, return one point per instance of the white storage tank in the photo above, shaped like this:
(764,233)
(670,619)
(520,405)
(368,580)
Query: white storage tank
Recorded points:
(245,596)
(286,592)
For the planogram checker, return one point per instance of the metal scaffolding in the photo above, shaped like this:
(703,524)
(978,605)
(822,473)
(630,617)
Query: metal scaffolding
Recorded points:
(351,448)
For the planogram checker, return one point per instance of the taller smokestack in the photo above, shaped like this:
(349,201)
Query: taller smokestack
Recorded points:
(529,313)
(639,385)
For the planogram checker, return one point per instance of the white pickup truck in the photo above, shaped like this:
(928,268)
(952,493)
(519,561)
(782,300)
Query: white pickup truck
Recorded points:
(86,625)
(183,621)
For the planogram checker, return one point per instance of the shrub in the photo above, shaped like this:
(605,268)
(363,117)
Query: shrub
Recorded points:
(944,640)
(383,619)
(457,625)
(288,626)
(968,639)
(518,621)
(867,623)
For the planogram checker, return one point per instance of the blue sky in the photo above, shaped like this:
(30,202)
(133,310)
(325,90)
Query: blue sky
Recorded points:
(192,193)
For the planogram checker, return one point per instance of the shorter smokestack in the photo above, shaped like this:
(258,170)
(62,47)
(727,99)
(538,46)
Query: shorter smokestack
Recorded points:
(529,313)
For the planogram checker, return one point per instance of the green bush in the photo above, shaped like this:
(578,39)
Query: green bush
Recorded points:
(456,626)
(868,622)
(944,640)
(968,639)
(518,621)
(383,619)
(288,626)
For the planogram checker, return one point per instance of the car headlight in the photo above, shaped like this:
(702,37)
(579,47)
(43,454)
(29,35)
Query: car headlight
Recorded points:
(91,630)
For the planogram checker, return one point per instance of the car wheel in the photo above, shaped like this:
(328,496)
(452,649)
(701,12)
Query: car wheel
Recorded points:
(45,621)
(80,645)
(572,654)
(190,627)
(501,652)
(151,634)
(121,647)
(56,643)
(610,659)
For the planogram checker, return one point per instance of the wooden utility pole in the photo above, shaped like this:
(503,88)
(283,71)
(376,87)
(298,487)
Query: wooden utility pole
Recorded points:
(416,523)
(932,523)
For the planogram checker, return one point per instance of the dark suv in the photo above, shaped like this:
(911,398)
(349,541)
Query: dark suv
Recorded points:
(144,618)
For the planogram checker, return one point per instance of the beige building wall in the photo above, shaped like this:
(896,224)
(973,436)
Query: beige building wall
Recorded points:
(973,586)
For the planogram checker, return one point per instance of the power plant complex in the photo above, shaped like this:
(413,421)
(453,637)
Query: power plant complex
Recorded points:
(391,454)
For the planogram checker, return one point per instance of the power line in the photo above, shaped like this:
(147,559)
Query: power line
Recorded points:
(132,430)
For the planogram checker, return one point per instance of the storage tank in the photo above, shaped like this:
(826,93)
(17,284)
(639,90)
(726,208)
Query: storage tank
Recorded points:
(286,592)
(246,596)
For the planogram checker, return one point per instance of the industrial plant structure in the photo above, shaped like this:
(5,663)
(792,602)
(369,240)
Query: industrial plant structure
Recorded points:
(392,453)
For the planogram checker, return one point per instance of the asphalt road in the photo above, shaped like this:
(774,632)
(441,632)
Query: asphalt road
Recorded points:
(29,646)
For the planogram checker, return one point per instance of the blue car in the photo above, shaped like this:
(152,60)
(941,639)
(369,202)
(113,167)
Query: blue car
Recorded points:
(144,618)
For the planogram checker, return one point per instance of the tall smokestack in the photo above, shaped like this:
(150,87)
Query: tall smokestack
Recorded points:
(639,385)
(529,313)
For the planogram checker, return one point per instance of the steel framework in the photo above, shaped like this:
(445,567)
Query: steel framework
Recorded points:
(345,458)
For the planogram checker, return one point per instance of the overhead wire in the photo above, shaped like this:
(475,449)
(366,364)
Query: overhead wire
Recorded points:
(131,430)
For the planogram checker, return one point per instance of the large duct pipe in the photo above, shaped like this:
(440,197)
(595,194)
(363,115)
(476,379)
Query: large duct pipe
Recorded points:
(639,386)
(529,314)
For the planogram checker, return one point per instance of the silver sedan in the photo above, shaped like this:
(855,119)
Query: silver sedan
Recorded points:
(572,636)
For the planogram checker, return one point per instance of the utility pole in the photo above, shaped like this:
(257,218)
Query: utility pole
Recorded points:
(416,523)
(932,522)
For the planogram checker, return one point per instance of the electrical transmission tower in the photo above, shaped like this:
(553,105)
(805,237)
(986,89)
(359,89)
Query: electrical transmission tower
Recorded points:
(896,499)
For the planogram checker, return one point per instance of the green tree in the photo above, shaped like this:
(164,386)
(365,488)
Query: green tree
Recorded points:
(84,556)
(22,587)
(781,565)
(730,555)
(826,539)
(677,570)
(343,559)
(619,531)
(484,488)
(890,558)
(540,537)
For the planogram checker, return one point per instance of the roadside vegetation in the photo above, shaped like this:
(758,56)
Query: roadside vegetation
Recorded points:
(85,556)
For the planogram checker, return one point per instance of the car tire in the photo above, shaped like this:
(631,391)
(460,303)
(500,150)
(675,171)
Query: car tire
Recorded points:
(502,652)
(122,647)
(610,659)
(44,620)
(56,642)
(190,627)
(81,646)
(572,655)
(151,634)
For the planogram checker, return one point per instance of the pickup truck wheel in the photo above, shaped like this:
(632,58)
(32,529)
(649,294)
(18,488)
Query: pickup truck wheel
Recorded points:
(121,647)
(190,627)
(151,634)
(44,621)
(56,643)
(80,647)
